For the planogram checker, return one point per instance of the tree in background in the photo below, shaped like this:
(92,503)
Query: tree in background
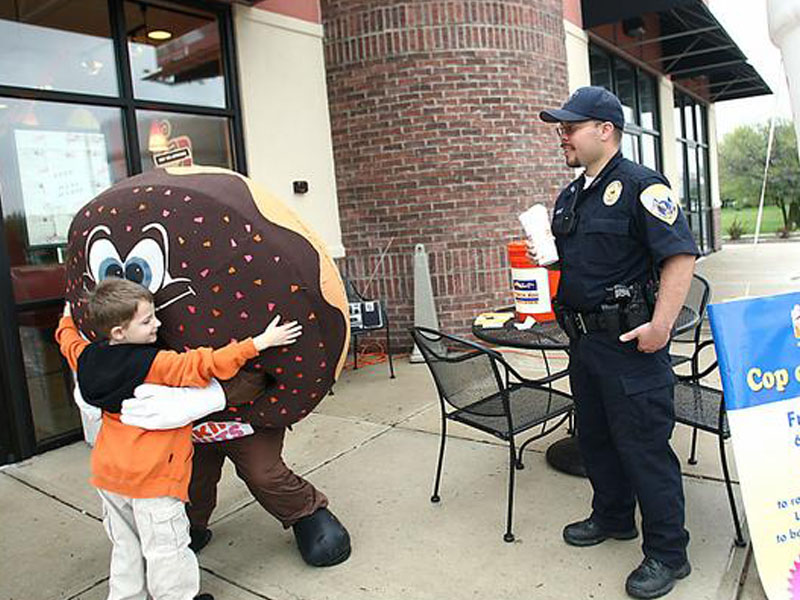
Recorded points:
(741,166)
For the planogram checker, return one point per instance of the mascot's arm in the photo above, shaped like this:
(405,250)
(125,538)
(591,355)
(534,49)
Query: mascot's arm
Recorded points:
(162,407)
(70,341)
(196,367)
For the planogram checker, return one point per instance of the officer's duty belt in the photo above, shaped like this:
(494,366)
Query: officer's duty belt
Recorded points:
(577,323)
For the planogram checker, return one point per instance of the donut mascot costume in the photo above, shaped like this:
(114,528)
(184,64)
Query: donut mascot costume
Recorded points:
(222,257)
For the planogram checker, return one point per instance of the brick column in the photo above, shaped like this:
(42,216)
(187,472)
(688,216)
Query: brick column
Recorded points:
(437,140)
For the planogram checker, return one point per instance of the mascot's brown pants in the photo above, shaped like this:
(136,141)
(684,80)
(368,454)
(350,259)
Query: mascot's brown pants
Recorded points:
(258,461)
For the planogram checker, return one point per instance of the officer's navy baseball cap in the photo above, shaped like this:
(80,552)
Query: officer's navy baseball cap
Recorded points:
(589,102)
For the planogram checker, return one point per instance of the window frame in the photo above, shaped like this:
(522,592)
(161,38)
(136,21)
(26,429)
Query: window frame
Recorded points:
(126,101)
(701,216)
(634,129)
(17,433)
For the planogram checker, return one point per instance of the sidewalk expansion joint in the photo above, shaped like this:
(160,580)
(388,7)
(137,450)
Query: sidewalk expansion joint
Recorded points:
(88,588)
(240,586)
(53,496)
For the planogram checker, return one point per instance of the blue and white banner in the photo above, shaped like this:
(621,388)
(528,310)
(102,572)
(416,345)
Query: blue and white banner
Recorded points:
(758,348)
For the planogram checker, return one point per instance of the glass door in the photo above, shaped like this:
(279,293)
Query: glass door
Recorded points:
(57,156)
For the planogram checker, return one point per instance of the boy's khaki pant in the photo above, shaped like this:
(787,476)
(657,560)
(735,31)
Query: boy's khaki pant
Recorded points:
(150,555)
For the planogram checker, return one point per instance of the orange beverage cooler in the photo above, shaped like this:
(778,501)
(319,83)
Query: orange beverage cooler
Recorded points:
(534,286)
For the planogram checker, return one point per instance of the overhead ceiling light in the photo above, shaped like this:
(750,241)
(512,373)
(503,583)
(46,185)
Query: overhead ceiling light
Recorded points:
(2,106)
(92,67)
(159,35)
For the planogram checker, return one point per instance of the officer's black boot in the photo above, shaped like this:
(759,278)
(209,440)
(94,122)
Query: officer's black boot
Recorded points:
(199,539)
(589,533)
(653,579)
(322,539)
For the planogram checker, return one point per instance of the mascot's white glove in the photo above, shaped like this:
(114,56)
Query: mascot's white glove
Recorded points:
(92,413)
(163,407)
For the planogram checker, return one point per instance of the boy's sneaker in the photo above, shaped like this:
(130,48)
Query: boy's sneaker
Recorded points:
(204,597)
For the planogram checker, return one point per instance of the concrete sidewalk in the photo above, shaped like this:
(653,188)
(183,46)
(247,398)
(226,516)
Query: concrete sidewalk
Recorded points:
(372,448)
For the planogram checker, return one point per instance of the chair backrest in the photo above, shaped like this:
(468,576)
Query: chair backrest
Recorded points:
(697,299)
(464,372)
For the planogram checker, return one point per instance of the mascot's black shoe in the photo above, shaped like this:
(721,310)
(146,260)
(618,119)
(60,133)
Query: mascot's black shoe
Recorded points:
(200,539)
(322,539)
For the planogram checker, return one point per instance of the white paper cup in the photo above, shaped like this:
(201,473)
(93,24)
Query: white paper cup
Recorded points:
(536,223)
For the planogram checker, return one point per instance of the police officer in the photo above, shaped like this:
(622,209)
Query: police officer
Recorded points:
(620,234)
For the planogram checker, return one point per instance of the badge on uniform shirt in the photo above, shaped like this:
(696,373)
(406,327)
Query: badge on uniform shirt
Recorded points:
(658,201)
(612,193)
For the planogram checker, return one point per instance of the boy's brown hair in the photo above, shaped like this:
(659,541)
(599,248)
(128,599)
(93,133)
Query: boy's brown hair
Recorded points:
(113,303)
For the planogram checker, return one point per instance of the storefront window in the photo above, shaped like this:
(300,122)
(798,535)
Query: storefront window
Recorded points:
(175,55)
(647,102)
(637,91)
(83,132)
(62,46)
(56,158)
(625,89)
(600,65)
(692,151)
(168,137)
(649,151)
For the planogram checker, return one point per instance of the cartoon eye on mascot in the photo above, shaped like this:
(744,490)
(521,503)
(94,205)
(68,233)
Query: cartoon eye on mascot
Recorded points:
(222,256)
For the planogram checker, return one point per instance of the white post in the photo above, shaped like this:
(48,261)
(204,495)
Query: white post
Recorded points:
(770,137)
(783,17)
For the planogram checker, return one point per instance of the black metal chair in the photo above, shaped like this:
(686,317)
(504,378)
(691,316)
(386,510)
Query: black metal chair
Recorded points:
(353,295)
(478,388)
(702,407)
(697,299)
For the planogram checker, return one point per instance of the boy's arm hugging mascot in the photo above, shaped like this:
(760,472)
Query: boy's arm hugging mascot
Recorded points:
(223,257)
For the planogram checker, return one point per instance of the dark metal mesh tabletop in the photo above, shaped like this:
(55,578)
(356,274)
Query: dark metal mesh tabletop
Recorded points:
(542,336)
(549,336)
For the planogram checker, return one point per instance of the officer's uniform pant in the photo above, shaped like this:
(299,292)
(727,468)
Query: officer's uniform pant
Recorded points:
(625,418)
(258,461)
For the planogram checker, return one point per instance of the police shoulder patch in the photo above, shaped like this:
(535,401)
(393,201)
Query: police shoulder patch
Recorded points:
(612,192)
(658,201)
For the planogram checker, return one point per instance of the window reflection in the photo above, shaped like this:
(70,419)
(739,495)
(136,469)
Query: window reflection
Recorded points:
(49,383)
(647,102)
(630,147)
(181,139)
(637,91)
(600,66)
(679,185)
(175,54)
(649,151)
(626,90)
(56,157)
(62,46)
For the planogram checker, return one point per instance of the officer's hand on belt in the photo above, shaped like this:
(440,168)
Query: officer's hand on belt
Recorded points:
(650,337)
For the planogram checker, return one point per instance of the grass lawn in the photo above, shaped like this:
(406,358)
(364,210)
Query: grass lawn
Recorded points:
(771,220)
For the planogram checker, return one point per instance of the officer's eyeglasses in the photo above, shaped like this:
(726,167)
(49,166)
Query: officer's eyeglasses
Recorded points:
(568,129)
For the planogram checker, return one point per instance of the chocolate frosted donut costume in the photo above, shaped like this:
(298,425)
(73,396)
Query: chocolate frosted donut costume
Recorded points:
(222,257)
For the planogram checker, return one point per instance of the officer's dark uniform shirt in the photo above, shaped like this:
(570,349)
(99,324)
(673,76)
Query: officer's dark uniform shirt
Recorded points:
(626,223)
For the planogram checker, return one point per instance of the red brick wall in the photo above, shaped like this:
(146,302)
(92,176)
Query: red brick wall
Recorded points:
(437,140)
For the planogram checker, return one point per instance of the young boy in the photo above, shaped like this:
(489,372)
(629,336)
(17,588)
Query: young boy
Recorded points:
(142,476)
